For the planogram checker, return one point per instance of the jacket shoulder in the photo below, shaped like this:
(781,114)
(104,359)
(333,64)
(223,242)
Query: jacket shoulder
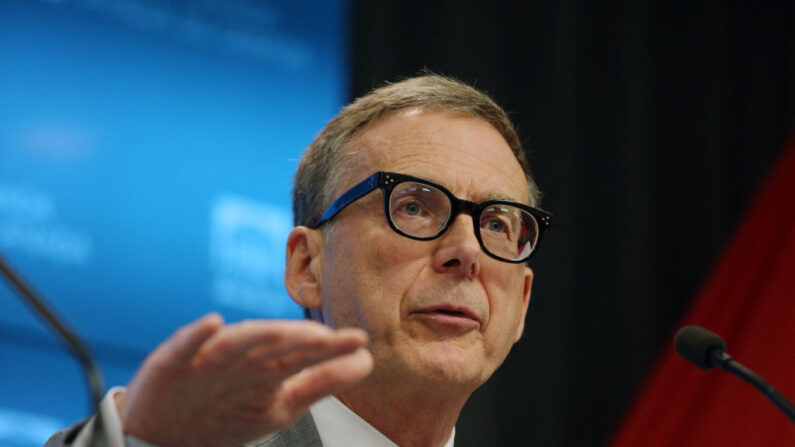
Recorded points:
(66,436)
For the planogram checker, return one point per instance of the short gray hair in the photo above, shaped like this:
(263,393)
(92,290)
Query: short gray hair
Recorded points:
(324,162)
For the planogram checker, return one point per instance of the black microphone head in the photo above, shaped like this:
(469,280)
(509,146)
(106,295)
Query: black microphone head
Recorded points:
(695,343)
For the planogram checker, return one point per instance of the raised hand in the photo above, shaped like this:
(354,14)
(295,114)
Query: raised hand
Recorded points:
(212,384)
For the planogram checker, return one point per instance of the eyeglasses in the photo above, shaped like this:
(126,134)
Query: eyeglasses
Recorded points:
(423,210)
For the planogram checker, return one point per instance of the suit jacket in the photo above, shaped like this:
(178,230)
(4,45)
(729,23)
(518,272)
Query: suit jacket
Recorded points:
(301,434)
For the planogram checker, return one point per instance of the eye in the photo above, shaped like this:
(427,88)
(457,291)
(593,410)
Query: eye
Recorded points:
(495,226)
(499,222)
(418,210)
(411,208)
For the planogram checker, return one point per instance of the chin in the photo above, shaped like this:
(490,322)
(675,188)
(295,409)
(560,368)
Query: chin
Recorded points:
(447,364)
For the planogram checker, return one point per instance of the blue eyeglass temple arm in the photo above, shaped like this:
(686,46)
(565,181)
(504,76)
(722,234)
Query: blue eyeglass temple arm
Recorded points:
(350,196)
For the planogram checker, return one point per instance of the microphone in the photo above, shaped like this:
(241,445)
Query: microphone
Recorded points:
(707,350)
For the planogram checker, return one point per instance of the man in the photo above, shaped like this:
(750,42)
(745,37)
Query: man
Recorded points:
(414,222)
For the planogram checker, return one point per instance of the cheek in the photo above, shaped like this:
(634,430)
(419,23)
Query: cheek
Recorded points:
(506,304)
(393,264)
(368,277)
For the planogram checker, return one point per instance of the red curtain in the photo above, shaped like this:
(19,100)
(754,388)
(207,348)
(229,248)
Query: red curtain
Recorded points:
(749,300)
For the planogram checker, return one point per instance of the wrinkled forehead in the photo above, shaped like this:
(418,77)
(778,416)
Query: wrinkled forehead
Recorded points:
(460,151)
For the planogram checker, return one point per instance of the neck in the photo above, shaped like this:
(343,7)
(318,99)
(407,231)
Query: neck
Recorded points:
(410,418)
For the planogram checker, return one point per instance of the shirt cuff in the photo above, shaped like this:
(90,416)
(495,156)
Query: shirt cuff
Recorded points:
(110,422)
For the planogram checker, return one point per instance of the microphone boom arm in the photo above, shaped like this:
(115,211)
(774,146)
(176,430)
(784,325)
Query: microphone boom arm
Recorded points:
(724,361)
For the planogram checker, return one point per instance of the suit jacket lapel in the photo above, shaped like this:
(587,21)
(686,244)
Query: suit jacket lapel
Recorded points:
(301,434)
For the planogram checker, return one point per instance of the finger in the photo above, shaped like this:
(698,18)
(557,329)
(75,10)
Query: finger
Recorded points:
(234,340)
(324,379)
(262,338)
(180,348)
(277,366)
(348,339)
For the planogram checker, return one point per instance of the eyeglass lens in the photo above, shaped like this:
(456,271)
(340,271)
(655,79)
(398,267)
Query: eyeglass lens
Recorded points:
(420,210)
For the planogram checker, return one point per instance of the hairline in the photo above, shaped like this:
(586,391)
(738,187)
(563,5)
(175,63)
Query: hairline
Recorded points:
(346,163)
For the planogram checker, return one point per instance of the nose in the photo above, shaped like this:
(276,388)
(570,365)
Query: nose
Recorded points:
(458,251)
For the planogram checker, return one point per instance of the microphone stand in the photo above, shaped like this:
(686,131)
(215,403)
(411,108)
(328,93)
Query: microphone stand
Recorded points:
(96,382)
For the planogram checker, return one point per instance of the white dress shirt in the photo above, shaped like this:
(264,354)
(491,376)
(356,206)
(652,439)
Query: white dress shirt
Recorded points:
(338,426)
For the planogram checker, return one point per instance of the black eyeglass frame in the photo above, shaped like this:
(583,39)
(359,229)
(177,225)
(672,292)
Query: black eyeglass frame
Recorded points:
(387,181)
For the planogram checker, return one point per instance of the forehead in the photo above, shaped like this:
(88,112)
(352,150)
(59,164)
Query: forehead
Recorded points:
(464,153)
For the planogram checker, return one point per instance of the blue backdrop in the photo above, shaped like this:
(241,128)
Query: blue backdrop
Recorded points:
(146,156)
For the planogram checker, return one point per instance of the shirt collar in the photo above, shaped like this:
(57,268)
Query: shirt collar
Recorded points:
(338,426)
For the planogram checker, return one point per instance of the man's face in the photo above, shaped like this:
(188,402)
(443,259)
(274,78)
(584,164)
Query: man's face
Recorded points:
(439,311)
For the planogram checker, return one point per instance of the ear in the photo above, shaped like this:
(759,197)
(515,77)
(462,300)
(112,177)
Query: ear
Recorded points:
(302,270)
(528,285)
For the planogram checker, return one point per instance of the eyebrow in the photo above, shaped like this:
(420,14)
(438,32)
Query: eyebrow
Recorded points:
(497,196)
(482,197)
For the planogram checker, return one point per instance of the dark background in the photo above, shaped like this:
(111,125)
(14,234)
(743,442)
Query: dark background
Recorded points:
(650,126)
